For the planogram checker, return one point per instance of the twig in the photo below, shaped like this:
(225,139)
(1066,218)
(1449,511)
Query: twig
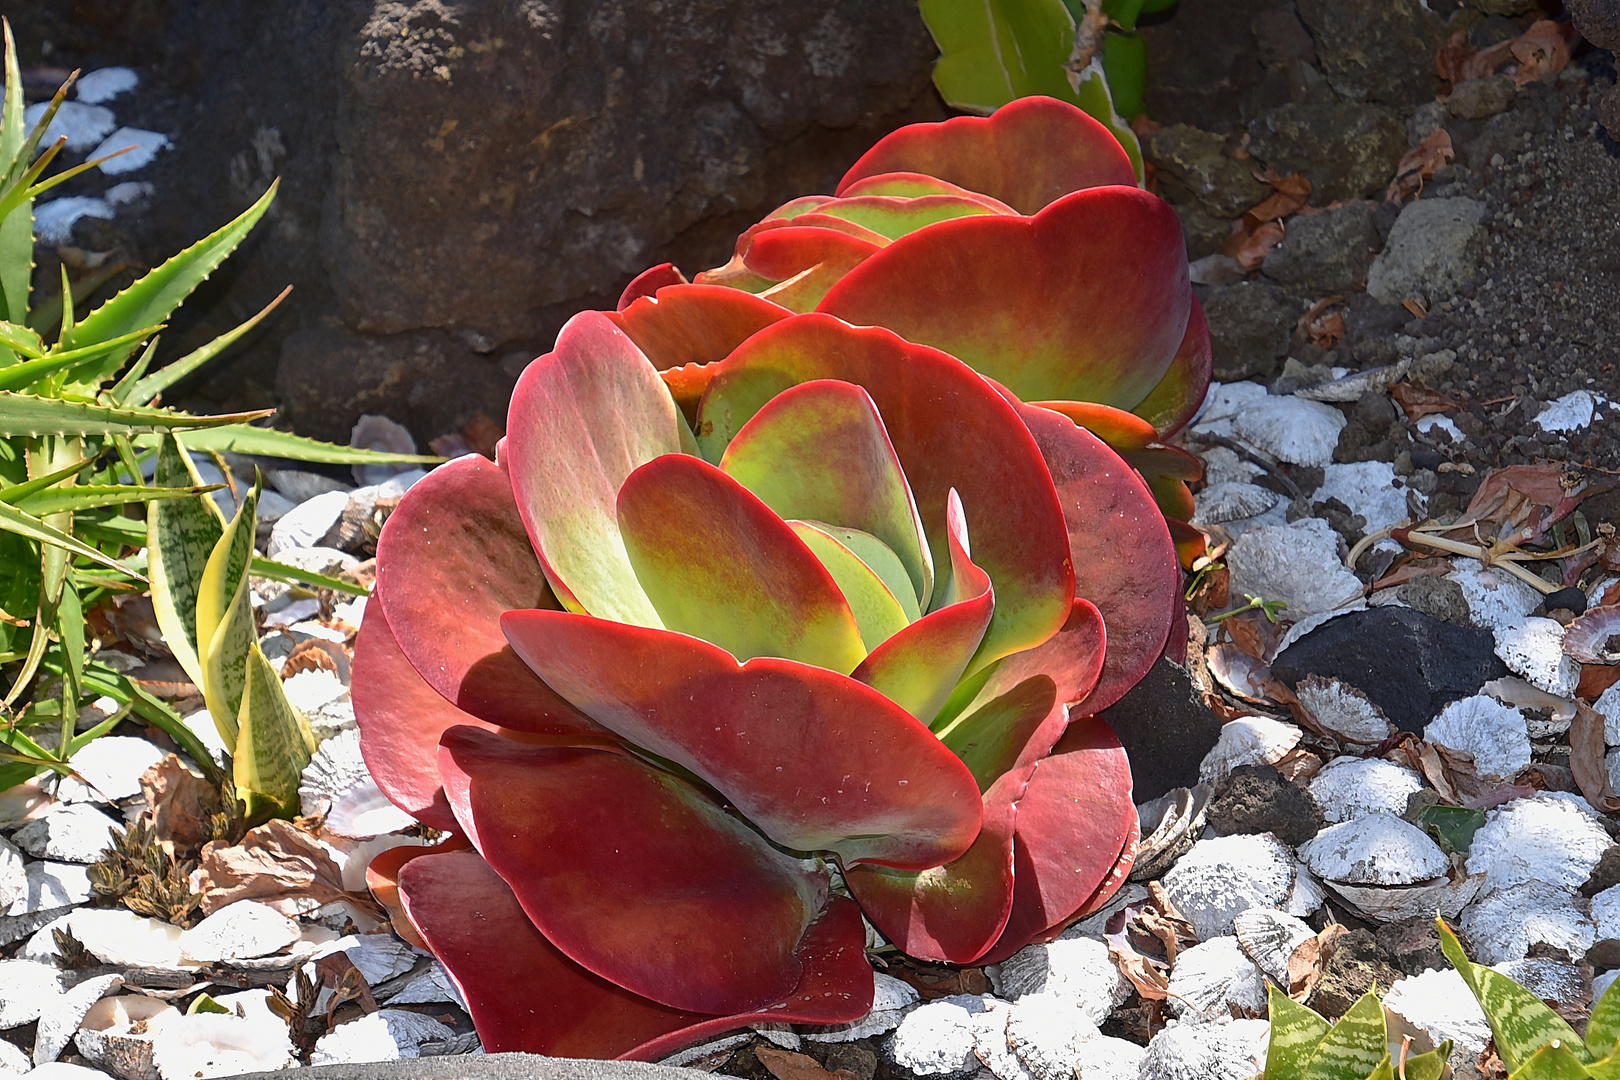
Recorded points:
(1484,555)
(1249,455)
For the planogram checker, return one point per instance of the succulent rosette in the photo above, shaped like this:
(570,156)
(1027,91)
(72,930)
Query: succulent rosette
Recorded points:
(1017,243)
(764,619)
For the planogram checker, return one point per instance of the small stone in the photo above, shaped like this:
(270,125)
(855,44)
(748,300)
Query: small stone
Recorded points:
(1342,710)
(937,1039)
(301,486)
(13,876)
(26,988)
(106,1039)
(1166,728)
(1347,150)
(1249,327)
(373,432)
(385,1035)
(104,84)
(305,525)
(1218,1049)
(1223,876)
(54,220)
(14,1061)
(239,930)
(1269,938)
(138,147)
(1077,971)
(1256,799)
(1216,976)
(1535,649)
(1298,564)
(1326,253)
(1374,849)
(1291,429)
(1548,837)
(61,1017)
(1505,924)
(73,833)
(122,938)
(81,123)
(1572,412)
(1495,734)
(208,1045)
(1439,1004)
(50,885)
(1222,403)
(891,1001)
(111,767)
(1496,599)
(1382,53)
(1475,99)
(1350,787)
(1368,489)
(1248,740)
(1222,466)
(1433,251)
(1357,965)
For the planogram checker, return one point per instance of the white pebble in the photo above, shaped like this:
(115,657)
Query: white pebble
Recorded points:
(1298,564)
(104,84)
(1572,412)
(1349,787)
(1222,876)
(144,146)
(83,124)
(1544,838)
(1505,924)
(75,832)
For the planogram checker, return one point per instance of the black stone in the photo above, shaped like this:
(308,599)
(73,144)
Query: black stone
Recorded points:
(1409,664)
(1358,965)
(1413,945)
(1571,599)
(1256,799)
(1606,874)
(1166,729)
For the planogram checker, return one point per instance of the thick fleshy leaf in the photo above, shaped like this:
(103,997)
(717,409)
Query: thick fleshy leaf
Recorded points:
(1072,658)
(1085,301)
(819,452)
(815,760)
(951,429)
(1124,560)
(607,853)
(451,559)
(919,667)
(1166,471)
(877,611)
(953,913)
(1119,429)
(913,185)
(806,261)
(878,557)
(498,960)
(1521,1023)
(401,718)
(817,218)
(892,217)
(524,994)
(582,419)
(694,324)
(1073,819)
(1172,404)
(719,565)
(1028,153)
(649,281)
(382,880)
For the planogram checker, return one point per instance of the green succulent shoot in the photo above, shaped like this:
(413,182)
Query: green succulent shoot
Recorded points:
(1305,1046)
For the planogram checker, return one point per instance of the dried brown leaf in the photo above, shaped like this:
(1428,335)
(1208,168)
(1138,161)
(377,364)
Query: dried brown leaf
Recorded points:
(787,1065)
(1543,50)
(1251,247)
(1308,963)
(1586,759)
(180,804)
(278,865)
(1419,164)
(1418,401)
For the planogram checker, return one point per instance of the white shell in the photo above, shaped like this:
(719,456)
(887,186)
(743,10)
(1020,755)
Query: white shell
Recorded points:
(938,1038)
(1269,938)
(1440,1004)
(1368,488)
(235,931)
(379,957)
(1521,695)
(373,432)
(1504,924)
(1076,970)
(307,523)
(1223,466)
(1343,710)
(1225,875)
(1224,403)
(1351,387)
(1220,503)
(1350,787)
(1535,649)
(1374,849)
(61,1017)
(1546,837)
(48,886)
(891,1000)
(1216,976)
(76,832)
(1219,1049)
(105,1038)
(385,1035)
(1049,1040)
(1387,903)
(13,875)
(111,767)
(1608,706)
(1572,412)
(214,1044)
(364,811)
(1495,597)
(1291,429)
(1298,564)
(1551,980)
(122,938)
(1495,734)
(26,988)
(335,768)
(1248,740)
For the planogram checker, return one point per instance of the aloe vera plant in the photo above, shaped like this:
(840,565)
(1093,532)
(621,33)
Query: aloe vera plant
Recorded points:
(79,413)
(1305,1046)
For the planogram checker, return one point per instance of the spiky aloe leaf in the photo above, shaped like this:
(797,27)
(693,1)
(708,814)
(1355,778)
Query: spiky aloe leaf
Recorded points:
(293,575)
(225,627)
(150,386)
(17,228)
(26,414)
(26,374)
(154,297)
(1520,1022)
(100,496)
(26,525)
(21,339)
(240,438)
(273,745)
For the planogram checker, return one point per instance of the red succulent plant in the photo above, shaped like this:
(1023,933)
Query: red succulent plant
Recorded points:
(758,607)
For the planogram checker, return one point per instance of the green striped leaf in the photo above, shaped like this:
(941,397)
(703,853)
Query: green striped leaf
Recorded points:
(180,536)
(1355,1045)
(1603,1030)
(1521,1022)
(273,747)
(225,627)
(1554,1061)
(1295,1033)
(1385,1070)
